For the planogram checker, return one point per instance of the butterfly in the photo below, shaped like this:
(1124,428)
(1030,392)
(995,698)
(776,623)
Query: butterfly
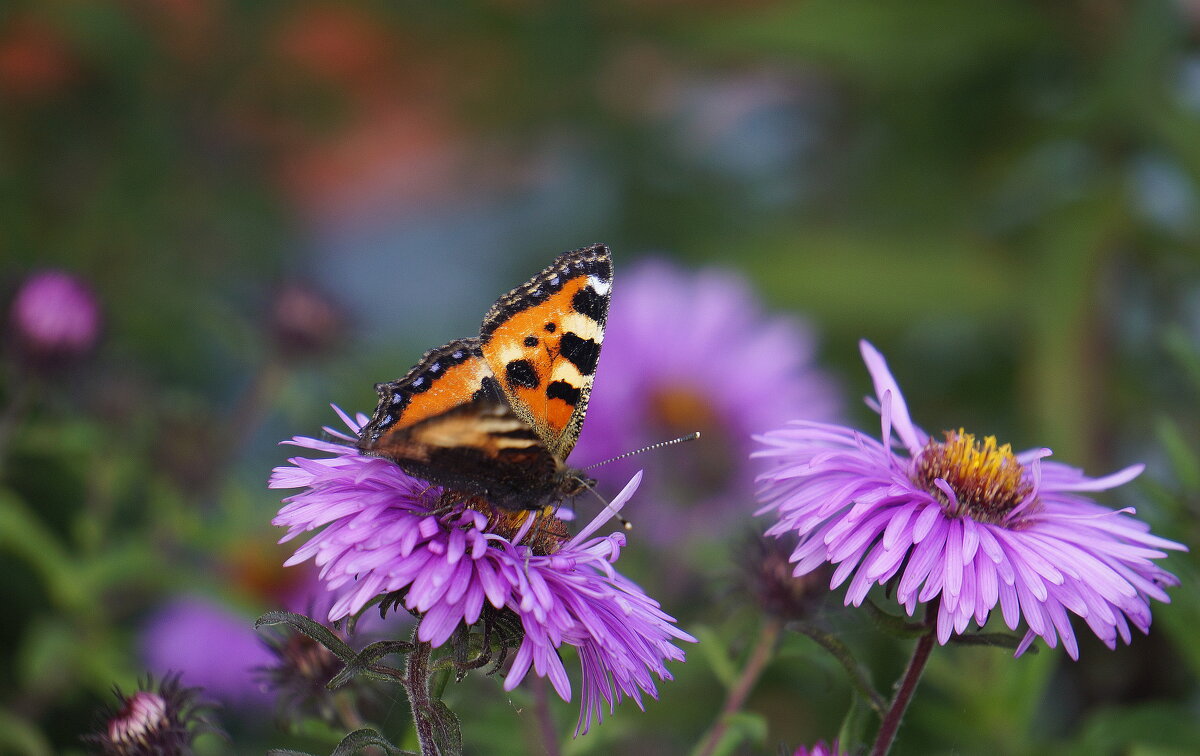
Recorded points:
(495,416)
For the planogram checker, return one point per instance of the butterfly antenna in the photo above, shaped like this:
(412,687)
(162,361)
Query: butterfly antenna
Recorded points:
(626,524)
(651,447)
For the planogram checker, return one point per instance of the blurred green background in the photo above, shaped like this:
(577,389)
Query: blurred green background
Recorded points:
(1004,197)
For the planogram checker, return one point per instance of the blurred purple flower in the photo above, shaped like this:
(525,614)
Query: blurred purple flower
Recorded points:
(969,522)
(380,535)
(690,351)
(54,318)
(213,646)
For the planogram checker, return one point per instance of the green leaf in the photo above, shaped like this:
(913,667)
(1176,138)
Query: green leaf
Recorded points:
(898,627)
(366,738)
(312,629)
(856,725)
(376,651)
(999,640)
(713,649)
(447,733)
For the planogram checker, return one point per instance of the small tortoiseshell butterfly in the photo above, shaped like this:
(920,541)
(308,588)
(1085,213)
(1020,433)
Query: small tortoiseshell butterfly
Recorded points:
(496,416)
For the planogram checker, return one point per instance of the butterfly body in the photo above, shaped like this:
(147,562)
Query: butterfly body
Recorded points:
(496,416)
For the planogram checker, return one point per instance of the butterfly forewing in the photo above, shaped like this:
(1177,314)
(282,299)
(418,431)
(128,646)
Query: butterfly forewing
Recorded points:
(542,341)
(445,378)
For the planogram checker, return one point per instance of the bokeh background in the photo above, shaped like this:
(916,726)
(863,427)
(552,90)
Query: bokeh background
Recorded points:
(278,204)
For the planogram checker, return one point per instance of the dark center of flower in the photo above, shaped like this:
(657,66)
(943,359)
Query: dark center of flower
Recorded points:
(142,715)
(987,480)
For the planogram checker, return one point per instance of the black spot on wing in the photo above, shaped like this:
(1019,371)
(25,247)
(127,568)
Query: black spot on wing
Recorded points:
(531,341)
(520,374)
(563,390)
(587,301)
(583,353)
(551,326)
(489,390)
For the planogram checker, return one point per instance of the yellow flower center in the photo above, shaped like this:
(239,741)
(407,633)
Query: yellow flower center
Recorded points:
(987,480)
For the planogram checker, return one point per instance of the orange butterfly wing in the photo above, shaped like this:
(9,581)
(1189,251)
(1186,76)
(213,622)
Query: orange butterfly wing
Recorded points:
(542,341)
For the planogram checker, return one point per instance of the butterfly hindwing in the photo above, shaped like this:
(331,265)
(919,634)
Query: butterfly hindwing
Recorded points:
(480,448)
(542,341)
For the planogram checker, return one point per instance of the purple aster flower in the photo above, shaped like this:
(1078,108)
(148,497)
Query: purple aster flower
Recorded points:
(690,352)
(383,531)
(966,522)
(214,647)
(54,318)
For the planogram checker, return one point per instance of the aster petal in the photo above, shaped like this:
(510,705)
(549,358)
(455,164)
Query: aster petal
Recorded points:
(1083,483)
(889,393)
(1009,604)
(988,589)
(924,557)
(954,565)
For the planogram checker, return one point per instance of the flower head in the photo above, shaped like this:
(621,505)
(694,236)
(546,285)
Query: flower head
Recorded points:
(766,575)
(157,719)
(383,531)
(688,352)
(55,318)
(967,522)
(215,647)
(299,675)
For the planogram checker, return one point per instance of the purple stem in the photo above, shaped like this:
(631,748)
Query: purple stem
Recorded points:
(908,686)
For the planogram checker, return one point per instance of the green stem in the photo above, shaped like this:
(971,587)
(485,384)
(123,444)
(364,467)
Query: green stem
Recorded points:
(854,671)
(908,685)
(756,662)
